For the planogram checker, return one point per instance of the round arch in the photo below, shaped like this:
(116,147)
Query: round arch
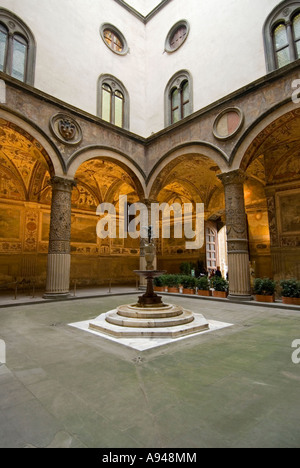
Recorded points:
(50,152)
(256,134)
(172,158)
(105,153)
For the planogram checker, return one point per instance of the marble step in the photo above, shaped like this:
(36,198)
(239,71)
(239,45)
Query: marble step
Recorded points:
(166,311)
(185,317)
(198,325)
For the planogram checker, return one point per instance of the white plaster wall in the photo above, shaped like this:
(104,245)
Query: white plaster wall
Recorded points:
(71,54)
(224,50)
(143,6)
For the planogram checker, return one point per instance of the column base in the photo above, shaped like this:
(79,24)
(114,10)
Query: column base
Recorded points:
(237,298)
(58,277)
(56,296)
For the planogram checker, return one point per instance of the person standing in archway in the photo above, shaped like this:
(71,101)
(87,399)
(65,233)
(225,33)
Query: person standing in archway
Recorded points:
(218,272)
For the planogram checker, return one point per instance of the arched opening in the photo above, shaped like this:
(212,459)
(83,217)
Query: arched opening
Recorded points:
(96,260)
(191,179)
(273,198)
(25,203)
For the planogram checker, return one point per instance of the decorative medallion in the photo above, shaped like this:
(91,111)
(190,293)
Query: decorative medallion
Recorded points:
(66,129)
(228,123)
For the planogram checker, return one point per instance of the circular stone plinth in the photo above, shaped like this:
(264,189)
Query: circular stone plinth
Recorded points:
(100,324)
(165,311)
(185,317)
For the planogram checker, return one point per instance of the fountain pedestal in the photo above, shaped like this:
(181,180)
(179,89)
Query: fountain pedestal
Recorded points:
(150,299)
(150,317)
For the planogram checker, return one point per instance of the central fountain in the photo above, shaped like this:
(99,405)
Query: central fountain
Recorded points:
(149,317)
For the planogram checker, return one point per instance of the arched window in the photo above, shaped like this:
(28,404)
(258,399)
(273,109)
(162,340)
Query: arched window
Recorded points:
(178,98)
(282,35)
(113,105)
(17,48)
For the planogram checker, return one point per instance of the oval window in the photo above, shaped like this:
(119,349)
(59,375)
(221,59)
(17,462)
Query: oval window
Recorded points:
(114,39)
(177,36)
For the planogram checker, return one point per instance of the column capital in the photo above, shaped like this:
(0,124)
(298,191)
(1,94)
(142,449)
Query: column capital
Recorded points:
(148,202)
(62,184)
(233,177)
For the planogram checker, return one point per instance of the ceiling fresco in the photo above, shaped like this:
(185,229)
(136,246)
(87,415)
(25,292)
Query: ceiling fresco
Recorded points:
(277,150)
(99,181)
(191,178)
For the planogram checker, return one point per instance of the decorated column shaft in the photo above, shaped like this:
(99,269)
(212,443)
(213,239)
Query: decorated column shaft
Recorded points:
(237,235)
(59,259)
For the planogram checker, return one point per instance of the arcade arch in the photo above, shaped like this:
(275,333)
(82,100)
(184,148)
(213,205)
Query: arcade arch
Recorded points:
(95,260)
(25,198)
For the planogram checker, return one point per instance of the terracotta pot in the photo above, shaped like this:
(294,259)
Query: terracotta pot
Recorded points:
(259,298)
(159,289)
(220,294)
(203,293)
(174,290)
(188,291)
(291,300)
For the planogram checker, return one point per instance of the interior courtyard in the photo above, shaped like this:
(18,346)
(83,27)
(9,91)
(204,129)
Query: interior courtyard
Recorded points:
(225,137)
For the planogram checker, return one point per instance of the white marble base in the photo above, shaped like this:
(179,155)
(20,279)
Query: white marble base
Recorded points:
(144,344)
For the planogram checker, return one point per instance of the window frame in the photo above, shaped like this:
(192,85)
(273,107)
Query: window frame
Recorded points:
(181,104)
(284,13)
(116,86)
(115,31)
(17,28)
(177,82)
(171,33)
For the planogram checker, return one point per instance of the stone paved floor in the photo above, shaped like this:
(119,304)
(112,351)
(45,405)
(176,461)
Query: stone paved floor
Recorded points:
(62,387)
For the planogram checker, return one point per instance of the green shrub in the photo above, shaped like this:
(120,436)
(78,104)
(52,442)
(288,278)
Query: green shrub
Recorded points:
(219,284)
(203,283)
(264,287)
(188,282)
(290,288)
(173,281)
(158,282)
(164,280)
(186,268)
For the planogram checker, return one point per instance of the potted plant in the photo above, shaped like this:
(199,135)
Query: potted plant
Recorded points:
(188,284)
(158,284)
(164,281)
(220,286)
(203,286)
(290,292)
(173,283)
(264,290)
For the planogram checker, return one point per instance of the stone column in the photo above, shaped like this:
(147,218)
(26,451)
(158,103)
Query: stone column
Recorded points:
(59,258)
(237,236)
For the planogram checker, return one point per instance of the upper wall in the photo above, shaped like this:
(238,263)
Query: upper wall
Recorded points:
(224,51)
(71,54)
